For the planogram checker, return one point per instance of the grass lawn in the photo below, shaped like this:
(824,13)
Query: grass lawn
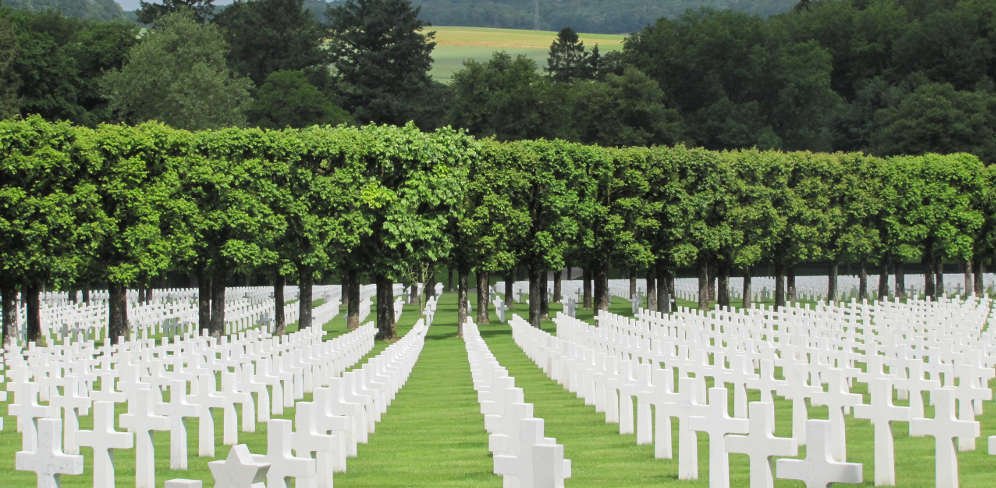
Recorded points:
(433,434)
(454,45)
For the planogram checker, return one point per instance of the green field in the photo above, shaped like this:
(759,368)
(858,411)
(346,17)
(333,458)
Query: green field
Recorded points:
(454,45)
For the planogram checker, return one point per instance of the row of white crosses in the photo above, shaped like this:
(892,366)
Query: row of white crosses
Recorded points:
(522,455)
(625,360)
(169,312)
(277,370)
(327,429)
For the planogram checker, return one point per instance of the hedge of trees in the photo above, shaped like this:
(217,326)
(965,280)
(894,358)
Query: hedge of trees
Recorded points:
(120,207)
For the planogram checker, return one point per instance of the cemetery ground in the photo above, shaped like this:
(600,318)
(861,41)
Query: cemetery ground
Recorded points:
(433,433)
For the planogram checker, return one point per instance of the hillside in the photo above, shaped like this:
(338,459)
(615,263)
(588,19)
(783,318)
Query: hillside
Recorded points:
(454,45)
(82,9)
(606,16)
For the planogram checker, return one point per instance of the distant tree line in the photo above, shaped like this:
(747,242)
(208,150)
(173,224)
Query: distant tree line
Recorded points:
(885,77)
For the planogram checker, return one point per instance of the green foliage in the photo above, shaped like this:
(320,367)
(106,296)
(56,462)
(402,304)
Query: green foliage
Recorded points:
(8,79)
(80,9)
(381,56)
(271,35)
(177,74)
(568,60)
(503,98)
(628,109)
(288,99)
(149,12)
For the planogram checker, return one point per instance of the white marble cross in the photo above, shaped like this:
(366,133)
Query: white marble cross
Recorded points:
(278,455)
(992,445)
(838,400)
(308,438)
(102,439)
(176,410)
(72,403)
(760,444)
(691,390)
(717,423)
(206,398)
(945,427)
(142,420)
(819,469)
(27,410)
(240,469)
(882,412)
(526,466)
(47,459)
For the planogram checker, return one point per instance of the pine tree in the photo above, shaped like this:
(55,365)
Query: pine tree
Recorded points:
(568,60)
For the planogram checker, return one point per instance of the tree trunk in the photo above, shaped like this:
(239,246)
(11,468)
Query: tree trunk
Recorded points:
(900,272)
(344,290)
(928,277)
(413,294)
(279,322)
(141,294)
(790,284)
(832,282)
(632,284)
(430,283)
(72,295)
(779,284)
(218,302)
(353,294)
(483,296)
(509,282)
(148,295)
(665,286)
(32,300)
(980,269)
(651,290)
(602,296)
(703,284)
(536,281)
(385,307)
(117,313)
(449,279)
(862,281)
(462,299)
(545,297)
(746,289)
(557,286)
(8,293)
(203,300)
(883,280)
(969,281)
(939,282)
(723,284)
(86,295)
(711,269)
(586,286)
(305,288)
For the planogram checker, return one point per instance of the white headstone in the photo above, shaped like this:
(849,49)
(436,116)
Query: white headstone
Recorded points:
(47,460)
(240,469)
(882,412)
(717,423)
(176,410)
(142,421)
(278,455)
(760,444)
(102,439)
(819,469)
(945,428)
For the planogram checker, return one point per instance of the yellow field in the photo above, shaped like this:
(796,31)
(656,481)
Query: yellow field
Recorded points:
(454,45)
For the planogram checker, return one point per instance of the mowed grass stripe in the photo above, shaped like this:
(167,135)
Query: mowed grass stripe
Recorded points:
(433,433)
